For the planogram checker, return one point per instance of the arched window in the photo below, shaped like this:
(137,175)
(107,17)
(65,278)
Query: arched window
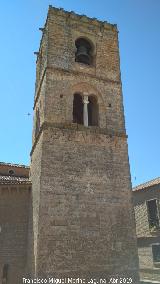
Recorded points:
(85,110)
(77,109)
(5,274)
(84,51)
(92,111)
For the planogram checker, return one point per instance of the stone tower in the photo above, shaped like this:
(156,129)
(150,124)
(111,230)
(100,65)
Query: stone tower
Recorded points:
(83,219)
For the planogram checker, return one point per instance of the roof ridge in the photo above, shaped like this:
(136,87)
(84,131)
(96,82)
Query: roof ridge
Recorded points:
(147,184)
(14,165)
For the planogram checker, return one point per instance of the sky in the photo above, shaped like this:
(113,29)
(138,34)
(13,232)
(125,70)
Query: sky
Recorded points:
(139,40)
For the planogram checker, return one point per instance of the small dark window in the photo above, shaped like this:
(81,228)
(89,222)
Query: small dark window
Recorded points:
(37,123)
(92,111)
(5,274)
(153,217)
(11,172)
(84,52)
(156,252)
(78,109)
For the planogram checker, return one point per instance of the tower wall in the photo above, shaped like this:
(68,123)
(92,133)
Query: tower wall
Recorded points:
(83,216)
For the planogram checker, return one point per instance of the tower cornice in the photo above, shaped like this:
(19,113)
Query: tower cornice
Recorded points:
(82,18)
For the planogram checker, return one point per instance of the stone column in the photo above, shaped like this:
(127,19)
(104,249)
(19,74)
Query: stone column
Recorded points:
(85,109)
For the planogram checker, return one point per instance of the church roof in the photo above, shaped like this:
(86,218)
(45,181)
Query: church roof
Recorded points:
(13,165)
(14,180)
(14,174)
(147,184)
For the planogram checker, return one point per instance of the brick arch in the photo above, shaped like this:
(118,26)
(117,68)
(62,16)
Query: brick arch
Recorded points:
(84,87)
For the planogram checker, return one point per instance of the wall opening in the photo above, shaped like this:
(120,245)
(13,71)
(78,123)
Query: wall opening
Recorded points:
(77,109)
(37,122)
(156,253)
(5,274)
(11,172)
(84,51)
(153,215)
(93,111)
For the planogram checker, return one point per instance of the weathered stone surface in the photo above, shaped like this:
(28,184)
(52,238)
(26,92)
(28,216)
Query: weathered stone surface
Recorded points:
(146,236)
(15,199)
(82,205)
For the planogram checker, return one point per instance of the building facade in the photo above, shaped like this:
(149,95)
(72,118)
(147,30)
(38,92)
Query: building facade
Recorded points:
(15,220)
(82,204)
(147,212)
(80,217)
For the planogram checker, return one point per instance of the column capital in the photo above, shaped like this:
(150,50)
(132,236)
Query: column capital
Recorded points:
(85,98)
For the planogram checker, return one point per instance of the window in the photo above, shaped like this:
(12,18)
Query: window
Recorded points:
(37,122)
(84,51)
(11,172)
(85,110)
(77,109)
(5,274)
(153,215)
(156,252)
(92,111)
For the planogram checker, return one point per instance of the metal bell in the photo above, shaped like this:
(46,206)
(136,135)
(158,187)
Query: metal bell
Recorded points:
(82,54)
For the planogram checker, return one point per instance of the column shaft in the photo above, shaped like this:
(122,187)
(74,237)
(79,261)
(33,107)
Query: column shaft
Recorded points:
(85,110)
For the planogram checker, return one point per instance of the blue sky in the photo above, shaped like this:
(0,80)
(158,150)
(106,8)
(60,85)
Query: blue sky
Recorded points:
(139,39)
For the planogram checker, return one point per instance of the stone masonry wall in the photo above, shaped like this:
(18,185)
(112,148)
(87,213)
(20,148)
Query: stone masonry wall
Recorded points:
(14,212)
(64,28)
(61,87)
(36,185)
(146,237)
(140,206)
(85,224)
(83,214)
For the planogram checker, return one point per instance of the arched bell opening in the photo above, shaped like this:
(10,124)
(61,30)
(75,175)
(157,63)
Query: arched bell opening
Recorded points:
(77,109)
(93,111)
(84,51)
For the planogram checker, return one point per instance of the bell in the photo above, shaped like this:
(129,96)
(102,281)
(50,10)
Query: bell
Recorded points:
(82,54)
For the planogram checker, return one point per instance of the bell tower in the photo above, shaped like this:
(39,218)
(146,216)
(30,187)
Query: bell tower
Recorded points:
(83,221)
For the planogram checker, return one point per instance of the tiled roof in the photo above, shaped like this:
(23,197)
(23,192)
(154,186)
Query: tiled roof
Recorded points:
(14,180)
(14,165)
(147,184)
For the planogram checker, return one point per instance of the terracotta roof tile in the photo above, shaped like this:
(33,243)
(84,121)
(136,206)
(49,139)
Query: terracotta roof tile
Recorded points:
(14,180)
(14,165)
(147,184)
